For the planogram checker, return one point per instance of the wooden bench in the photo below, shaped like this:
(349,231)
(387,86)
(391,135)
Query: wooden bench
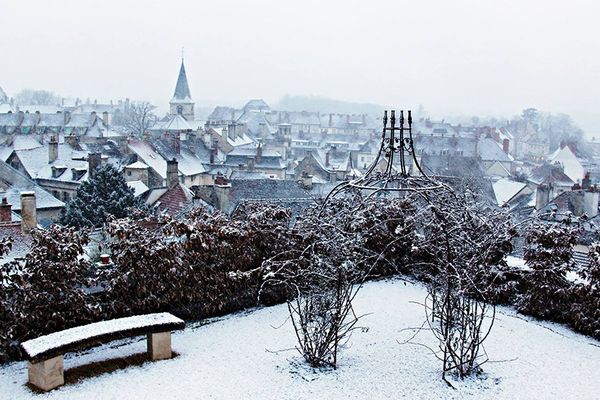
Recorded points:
(45,354)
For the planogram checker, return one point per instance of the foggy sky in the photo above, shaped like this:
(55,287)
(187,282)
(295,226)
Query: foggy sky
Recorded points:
(461,57)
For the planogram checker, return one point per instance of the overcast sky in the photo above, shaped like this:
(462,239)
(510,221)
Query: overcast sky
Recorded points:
(463,57)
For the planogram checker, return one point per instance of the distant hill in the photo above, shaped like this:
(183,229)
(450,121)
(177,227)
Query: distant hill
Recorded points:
(326,105)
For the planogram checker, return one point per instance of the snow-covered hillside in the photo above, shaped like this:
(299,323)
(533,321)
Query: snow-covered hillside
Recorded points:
(244,357)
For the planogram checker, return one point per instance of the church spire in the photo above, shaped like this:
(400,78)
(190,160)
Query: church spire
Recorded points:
(182,90)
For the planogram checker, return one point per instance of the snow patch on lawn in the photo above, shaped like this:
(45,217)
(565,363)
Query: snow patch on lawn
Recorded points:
(247,356)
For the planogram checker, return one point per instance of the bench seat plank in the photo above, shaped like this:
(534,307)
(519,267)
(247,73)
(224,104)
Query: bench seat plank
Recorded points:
(58,343)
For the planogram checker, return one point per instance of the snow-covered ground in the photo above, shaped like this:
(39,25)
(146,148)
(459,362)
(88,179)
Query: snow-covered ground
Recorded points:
(244,357)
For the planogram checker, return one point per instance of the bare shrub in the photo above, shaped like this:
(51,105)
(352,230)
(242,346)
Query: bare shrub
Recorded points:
(331,253)
(461,243)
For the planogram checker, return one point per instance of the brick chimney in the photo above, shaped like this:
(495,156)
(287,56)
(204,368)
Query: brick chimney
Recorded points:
(505,145)
(52,149)
(28,212)
(172,172)
(5,211)
(94,161)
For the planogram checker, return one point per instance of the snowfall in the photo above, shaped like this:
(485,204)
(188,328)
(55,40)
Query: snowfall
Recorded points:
(250,355)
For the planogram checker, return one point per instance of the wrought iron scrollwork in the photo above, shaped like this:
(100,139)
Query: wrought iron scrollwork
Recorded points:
(398,151)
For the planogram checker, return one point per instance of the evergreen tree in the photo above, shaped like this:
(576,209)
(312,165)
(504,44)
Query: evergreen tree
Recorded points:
(549,255)
(107,193)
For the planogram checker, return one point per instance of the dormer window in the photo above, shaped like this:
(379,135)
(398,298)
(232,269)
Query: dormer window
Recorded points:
(78,173)
(58,170)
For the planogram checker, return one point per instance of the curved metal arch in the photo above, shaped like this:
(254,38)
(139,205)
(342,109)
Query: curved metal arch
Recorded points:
(396,143)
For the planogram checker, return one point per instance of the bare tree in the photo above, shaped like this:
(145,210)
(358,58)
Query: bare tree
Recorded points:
(36,97)
(138,118)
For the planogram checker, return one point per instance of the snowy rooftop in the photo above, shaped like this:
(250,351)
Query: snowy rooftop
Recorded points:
(37,166)
(247,356)
(505,190)
(572,166)
(138,187)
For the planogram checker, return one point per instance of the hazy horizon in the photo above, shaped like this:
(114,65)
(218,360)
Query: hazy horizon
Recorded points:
(455,58)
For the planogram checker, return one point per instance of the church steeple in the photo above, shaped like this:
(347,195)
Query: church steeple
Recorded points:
(182,102)
(182,90)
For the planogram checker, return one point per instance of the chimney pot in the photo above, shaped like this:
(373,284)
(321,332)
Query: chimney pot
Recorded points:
(28,211)
(52,149)
(172,173)
(5,211)
(94,161)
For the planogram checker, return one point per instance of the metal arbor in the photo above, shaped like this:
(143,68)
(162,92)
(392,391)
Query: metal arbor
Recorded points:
(398,151)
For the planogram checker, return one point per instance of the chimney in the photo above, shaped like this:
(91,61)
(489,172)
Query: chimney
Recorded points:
(542,196)
(330,120)
(177,143)
(172,173)
(213,152)
(94,161)
(5,211)
(250,164)
(327,158)
(222,190)
(95,102)
(259,151)
(586,183)
(28,212)
(191,137)
(105,118)
(505,145)
(52,149)
(231,131)
(590,203)
(306,181)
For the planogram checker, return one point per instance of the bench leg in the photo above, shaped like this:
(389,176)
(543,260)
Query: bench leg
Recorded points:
(47,374)
(159,345)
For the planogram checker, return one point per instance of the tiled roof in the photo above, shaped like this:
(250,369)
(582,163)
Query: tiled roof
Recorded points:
(175,199)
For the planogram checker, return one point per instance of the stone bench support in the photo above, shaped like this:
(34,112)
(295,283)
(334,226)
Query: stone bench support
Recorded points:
(159,345)
(47,374)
